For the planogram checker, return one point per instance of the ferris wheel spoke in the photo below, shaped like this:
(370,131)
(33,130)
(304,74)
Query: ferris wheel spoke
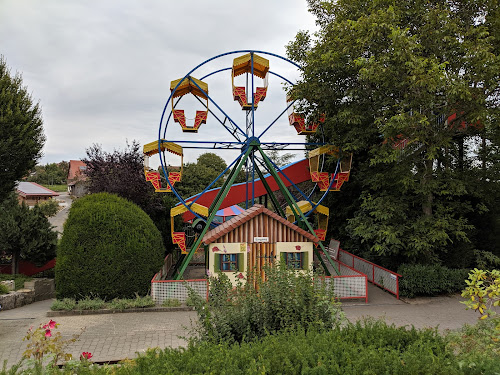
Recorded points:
(279,170)
(216,179)
(222,111)
(276,119)
(270,193)
(233,131)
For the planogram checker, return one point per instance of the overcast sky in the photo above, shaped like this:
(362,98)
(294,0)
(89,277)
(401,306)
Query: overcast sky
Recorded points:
(102,69)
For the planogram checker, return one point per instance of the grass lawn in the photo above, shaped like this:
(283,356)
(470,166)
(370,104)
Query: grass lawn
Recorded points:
(57,188)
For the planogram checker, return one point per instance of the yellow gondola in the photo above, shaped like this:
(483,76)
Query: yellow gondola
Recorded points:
(243,64)
(323,178)
(190,85)
(153,176)
(179,238)
(299,122)
(321,214)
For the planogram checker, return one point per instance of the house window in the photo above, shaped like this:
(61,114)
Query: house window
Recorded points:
(229,262)
(294,261)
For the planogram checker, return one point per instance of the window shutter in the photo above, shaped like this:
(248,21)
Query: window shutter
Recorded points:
(305,260)
(216,262)
(241,262)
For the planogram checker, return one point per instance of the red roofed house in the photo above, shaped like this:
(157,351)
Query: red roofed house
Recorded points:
(77,178)
(254,238)
(31,193)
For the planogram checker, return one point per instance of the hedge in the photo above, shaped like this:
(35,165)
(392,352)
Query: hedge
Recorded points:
(430,280)
(110,248)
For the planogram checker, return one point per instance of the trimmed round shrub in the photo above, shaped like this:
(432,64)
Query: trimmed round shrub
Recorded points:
(110,248)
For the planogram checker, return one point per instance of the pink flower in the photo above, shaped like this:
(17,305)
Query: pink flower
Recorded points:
(48,333)
(208,273)
(86,355)
(240,276)
(52,324)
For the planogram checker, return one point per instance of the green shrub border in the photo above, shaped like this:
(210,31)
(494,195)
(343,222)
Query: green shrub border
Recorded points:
(430,280)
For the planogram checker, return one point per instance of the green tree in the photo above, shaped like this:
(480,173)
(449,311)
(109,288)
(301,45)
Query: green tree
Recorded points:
(388,74)
(121,172)
(50,174)
(26,233)
(197,176)
(21,130)
(109,248)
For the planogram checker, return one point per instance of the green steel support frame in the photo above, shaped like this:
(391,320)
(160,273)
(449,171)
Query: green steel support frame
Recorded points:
(213,210)
(295,208)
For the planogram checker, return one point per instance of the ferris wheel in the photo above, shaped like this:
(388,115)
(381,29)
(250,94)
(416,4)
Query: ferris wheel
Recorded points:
(198,118)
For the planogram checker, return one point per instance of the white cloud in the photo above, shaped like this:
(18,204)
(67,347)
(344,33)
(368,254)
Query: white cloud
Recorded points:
(102,69)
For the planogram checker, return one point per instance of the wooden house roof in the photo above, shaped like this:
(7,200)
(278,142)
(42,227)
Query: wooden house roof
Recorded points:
(248,215)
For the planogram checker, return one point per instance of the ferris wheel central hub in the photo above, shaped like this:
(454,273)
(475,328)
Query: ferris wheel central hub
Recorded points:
(253,141)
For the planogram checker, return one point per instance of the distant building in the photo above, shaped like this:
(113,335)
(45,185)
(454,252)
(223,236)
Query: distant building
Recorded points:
(31,193)
(77,178)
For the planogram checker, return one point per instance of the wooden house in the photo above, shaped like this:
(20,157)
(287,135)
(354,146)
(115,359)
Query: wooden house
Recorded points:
(254,238)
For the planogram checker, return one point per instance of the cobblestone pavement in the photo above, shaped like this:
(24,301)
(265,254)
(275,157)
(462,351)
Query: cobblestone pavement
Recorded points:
(107,337)
(118,336)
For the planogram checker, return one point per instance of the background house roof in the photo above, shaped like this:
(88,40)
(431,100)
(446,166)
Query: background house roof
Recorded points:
(247,215)
(76,169)
(25,189)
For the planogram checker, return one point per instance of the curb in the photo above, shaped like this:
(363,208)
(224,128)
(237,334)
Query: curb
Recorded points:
(52,314)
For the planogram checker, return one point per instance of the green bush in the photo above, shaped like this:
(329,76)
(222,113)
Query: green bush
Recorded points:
(110,248)
(370,347)
(66,304)
(285,300)
(18,278)
(120,304)
(4,289)
(141,302)
(430,280)
(171,302)
(89,303)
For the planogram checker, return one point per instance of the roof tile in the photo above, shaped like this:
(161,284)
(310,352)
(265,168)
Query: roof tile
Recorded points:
(247,215)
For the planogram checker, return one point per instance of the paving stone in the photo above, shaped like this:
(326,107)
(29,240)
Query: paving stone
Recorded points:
(120,336)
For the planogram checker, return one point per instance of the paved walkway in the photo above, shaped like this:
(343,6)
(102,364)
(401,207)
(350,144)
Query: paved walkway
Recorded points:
(58,220)
(119,336)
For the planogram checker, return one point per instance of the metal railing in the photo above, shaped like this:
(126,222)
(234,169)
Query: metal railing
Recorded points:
(377,275)
(162,290)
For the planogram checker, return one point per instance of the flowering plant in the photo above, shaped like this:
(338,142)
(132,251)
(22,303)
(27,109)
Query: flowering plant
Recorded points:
(44,342)
(85,356)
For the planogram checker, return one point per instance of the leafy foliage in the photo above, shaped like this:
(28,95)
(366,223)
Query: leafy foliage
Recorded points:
(19,279)
(4,289)
(26,233)
(50,174)
(387,75)
(122,173)
(197,176)
(110,248)
(284,301)
(430,280)
(21,130)
(49,208)
(483,293)
(46,344)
